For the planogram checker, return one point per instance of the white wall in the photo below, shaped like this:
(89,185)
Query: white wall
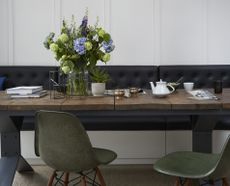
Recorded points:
(149,32)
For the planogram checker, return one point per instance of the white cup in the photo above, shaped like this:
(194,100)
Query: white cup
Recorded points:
(188,86)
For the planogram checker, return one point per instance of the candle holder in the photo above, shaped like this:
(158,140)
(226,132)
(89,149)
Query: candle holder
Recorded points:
(57,85)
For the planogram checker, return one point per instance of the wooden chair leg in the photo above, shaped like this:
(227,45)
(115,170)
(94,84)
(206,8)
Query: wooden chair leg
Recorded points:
(100,177)
(225,182)
(52,178)
(187,182)
(66,181)
(177,182)
(83,180)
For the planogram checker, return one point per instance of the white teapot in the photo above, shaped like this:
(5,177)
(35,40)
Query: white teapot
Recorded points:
(161,88)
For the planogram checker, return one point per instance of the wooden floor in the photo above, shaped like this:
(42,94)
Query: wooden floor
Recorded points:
(115,175)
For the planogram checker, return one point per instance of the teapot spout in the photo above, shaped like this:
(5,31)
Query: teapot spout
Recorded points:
(152,86)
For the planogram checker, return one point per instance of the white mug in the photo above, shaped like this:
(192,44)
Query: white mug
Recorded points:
(188,86)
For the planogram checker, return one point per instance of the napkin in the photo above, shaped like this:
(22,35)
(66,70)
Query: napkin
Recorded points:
(202,95)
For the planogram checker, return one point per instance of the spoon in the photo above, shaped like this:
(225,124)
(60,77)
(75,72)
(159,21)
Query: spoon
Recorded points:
(179,80)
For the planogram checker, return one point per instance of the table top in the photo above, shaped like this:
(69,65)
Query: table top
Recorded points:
(179,100)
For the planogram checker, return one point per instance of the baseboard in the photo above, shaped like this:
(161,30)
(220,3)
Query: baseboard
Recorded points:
(134,161)
(35,161)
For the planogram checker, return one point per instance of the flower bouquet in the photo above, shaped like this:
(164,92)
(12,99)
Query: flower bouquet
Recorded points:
(78,49)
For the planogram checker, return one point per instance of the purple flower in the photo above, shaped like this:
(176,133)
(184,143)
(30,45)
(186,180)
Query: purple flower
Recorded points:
(79,45)
(84,22)
(84,26)
(108,47)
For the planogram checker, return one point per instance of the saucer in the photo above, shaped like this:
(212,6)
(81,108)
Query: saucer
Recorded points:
(109,92)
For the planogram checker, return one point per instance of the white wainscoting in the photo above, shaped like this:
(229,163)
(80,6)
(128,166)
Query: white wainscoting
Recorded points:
(218,140)
(150,32)
(182,31)
(133,147)
(4,31)
(178,141)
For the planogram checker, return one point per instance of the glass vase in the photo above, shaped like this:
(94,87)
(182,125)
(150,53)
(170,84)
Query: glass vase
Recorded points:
(77,83)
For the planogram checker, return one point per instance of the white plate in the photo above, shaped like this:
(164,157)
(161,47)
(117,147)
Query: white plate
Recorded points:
(109,92)
(161,95)
(99,95)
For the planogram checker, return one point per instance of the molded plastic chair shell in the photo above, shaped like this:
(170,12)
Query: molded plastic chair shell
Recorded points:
(63,144)
(194,165)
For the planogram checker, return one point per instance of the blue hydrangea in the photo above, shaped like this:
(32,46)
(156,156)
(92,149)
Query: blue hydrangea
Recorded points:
(79,45)
(108,47)
(80,41)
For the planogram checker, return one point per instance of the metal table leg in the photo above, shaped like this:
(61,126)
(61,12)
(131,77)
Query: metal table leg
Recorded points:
(202,133)
(11,149)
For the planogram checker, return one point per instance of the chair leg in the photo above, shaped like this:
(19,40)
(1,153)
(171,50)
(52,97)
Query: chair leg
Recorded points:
(83,180)
(225,182)
(187,182)
(177,182)
(100,177)
(52,178)
(66,181)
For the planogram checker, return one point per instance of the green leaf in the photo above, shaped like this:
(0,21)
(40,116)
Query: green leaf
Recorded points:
(107,37)
(99,75)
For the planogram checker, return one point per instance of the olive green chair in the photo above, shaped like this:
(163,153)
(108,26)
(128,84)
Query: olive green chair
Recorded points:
(192,168)
(63,144)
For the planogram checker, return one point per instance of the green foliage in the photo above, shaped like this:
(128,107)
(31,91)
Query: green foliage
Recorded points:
(99,75)
(80,48)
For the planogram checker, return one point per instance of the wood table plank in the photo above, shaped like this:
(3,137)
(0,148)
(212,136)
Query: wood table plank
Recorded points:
(181,100)
(176,101)
(142,101)
(88,103)
(4,101)
(225,97)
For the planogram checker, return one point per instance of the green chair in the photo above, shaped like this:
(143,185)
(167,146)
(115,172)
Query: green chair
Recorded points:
(193,167)
(63,144)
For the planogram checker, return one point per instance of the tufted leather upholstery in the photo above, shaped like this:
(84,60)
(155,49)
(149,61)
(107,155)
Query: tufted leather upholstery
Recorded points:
(203,76)
(124,77)
(129,76)
(26,75)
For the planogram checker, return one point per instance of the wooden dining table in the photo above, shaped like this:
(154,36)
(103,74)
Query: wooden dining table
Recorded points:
(204,114)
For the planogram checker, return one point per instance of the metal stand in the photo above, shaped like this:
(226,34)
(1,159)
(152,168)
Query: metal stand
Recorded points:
(202,133)
(12,159)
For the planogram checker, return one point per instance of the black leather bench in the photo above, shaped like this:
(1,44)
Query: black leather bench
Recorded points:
(203,76)
(26,75)
(131,76)
(126,76)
